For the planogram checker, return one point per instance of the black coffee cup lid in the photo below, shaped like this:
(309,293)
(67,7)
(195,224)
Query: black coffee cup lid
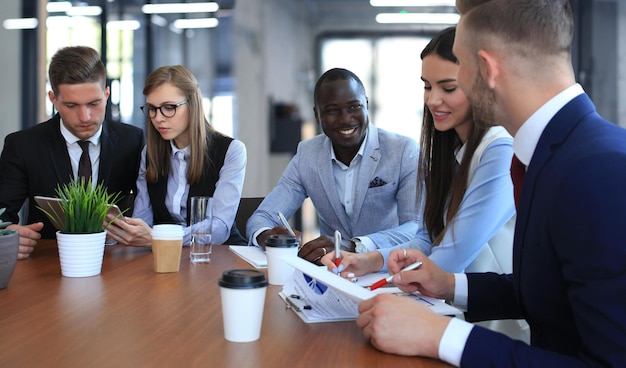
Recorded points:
(243,279)
(281,241)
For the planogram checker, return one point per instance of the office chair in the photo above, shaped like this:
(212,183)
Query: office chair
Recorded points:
(247,206)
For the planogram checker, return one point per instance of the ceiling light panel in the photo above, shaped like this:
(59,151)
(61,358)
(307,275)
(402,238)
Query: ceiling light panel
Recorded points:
(172,8)
(418,18)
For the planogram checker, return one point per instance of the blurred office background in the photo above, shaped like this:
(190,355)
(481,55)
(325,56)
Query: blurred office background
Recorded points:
(257,60)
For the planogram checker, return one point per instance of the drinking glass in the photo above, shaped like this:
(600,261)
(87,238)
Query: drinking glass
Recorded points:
(201,229)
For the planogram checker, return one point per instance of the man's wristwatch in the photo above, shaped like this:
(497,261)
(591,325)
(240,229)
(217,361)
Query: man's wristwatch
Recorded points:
(359,246)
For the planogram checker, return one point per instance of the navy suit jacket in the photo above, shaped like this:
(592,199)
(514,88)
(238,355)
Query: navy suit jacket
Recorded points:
(35,160)
(569,256)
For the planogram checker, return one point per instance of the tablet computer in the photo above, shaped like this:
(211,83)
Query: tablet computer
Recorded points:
(53,205)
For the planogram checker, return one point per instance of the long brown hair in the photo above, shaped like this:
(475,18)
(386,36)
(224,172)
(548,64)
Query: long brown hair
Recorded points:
(443,184)
(159,151)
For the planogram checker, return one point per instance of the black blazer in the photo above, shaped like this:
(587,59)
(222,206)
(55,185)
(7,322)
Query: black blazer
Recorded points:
(35,160)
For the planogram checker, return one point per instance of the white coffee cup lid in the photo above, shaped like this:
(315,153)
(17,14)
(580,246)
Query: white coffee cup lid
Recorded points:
(168,231)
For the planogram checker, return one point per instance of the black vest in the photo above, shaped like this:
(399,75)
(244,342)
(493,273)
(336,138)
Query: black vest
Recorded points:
(217,146)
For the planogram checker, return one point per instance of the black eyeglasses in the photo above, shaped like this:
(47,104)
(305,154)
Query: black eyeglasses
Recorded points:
(167,110)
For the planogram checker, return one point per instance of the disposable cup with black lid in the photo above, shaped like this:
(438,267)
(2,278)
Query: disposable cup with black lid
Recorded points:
(243,299)
(276,248)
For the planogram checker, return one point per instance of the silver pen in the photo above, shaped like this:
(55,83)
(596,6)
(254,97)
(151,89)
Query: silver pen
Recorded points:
(283,220)
(337,248)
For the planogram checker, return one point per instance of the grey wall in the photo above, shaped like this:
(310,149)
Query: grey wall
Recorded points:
(273,59)
(10,90)
(604,47)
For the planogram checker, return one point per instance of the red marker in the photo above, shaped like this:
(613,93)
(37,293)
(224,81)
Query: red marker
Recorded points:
(387,280)
(337,248)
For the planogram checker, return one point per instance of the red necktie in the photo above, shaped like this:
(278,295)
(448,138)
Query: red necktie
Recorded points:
(518,170)
(84,164)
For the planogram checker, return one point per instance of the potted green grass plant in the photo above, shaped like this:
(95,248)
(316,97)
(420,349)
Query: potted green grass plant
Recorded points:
(82,222)
(9,244)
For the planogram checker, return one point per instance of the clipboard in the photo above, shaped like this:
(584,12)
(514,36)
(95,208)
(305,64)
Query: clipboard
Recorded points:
(317,295)
(302,310)
(53,205)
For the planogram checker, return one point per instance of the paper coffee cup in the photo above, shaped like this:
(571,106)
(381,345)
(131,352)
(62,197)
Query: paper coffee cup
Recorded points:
(167,246)
(277,247)
(243,300)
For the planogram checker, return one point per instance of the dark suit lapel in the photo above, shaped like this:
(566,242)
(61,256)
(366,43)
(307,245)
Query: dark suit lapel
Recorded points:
(58,151)
(557,130)
(555,133)
(108,140)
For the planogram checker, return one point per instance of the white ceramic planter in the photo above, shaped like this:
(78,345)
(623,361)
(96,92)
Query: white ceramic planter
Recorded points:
(81,254)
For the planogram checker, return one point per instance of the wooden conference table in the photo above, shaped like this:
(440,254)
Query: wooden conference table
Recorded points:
(130,316)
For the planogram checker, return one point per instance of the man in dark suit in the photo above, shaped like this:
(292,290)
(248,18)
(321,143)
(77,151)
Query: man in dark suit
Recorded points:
(36,160)
(569,256)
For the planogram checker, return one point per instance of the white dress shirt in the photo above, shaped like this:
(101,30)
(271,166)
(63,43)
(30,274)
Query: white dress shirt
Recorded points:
(74,150)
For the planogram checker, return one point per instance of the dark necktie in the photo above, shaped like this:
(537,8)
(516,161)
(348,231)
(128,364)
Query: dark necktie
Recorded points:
(84,164)
(518,170)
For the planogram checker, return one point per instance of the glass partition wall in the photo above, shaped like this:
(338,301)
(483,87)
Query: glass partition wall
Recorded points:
(133,40)
(390,68)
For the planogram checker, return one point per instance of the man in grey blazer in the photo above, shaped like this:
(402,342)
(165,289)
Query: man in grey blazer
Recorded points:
(361,180)
(35,160)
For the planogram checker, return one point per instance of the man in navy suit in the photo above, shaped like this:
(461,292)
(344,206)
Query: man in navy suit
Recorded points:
(35,160)
(569,257)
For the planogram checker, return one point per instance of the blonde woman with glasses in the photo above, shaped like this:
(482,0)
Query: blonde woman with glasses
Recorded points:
(184,157)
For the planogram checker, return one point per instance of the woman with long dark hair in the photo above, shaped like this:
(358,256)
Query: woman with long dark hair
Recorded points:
(464,184)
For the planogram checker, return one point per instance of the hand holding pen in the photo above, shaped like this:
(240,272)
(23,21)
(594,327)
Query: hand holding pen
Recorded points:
(387,280)
(285,223)
(282,229)
(337,248)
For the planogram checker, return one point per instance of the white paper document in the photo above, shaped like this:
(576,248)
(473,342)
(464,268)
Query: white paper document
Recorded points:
(313,301)
(253,255)
(317,295)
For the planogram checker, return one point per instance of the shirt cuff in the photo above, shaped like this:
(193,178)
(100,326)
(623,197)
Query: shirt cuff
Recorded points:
(367,242)
(460,290)
(257,233)
(453,341)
